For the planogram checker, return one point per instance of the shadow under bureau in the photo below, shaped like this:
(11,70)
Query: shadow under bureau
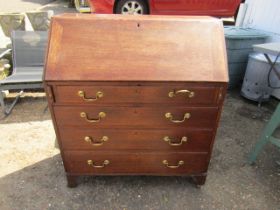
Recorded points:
(135,95)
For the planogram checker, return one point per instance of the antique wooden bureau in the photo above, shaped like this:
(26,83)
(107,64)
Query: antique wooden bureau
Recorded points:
(135,95)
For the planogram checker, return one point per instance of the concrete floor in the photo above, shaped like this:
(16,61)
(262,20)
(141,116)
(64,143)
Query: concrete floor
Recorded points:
(32,174)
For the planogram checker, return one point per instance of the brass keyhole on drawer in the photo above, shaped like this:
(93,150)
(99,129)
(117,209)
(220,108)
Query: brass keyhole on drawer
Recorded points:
(180,163)
(169,116)
(173,93)
(98,95)
(100,116)
(94,143)
(183,139)
(92,163)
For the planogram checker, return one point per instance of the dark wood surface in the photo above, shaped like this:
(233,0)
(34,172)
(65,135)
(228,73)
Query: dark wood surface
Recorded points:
(71,181)
(199,179)
(136,139)
(135,163)
(204,94)
(139,117)
(135,62)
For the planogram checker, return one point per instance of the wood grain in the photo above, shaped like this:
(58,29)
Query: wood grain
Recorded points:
(142,48)
(205,94)
(136,117)
(133,140)
(135,61)
(135,163)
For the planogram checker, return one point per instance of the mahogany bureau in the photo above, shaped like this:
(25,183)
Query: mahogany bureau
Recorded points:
(135,95)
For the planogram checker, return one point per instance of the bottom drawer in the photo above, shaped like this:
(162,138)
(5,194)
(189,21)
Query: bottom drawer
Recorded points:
(148,163)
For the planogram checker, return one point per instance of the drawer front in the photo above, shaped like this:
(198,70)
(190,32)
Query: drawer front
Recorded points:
(167,94)
(77,162)
(153,140)
(123,117)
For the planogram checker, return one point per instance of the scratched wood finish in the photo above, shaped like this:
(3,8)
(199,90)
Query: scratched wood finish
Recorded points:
(135,62)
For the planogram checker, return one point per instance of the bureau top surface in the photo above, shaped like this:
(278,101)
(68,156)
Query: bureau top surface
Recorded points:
(135,48)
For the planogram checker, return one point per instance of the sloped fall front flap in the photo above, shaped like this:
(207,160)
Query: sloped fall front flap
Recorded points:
(135,48)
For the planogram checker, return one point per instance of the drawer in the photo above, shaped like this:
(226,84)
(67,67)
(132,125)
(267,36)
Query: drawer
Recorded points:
(77,162)
(152,140)
(140,117)
(202,94)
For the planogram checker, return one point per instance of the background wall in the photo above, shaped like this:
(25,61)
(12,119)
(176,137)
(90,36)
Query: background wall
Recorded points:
(264,15)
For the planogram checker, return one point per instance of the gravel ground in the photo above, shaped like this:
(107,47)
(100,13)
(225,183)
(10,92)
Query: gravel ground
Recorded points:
(32,174)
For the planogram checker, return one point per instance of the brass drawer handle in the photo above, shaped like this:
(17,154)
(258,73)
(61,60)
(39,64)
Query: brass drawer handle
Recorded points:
(165,162)
(169,116)
(82,94)
(183,139)
(91,163)
(91,141)
(100,116)
(173,93)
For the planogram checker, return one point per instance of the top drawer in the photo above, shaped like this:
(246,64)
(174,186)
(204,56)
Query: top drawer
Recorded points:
(200,94)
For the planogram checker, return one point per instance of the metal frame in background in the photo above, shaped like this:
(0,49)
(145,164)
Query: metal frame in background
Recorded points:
(274,122)
(28,49)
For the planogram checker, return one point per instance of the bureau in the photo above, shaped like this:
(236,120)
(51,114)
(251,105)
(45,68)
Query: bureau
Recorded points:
(135,95)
